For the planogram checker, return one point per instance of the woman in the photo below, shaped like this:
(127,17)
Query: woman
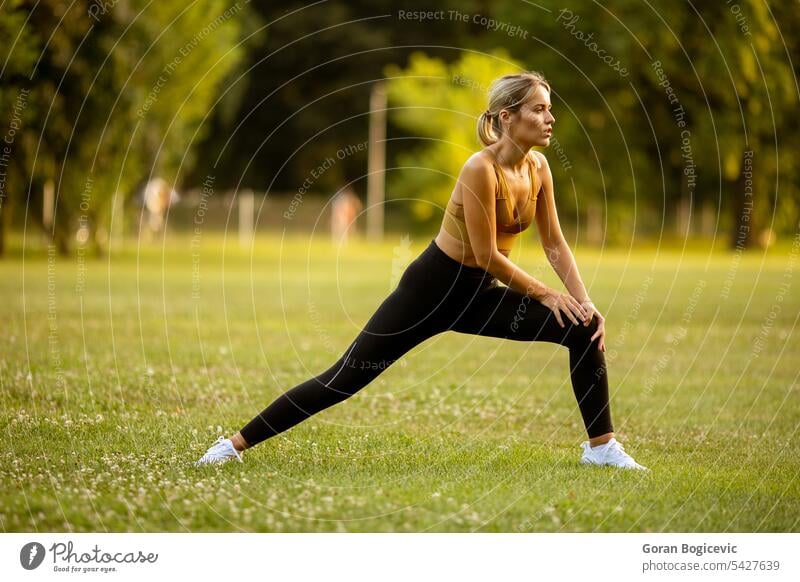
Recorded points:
(454,285)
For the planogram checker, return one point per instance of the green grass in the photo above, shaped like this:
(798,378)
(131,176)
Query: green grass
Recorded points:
(112,386)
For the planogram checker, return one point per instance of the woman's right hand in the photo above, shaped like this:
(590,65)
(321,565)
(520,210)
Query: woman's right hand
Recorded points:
(558,302)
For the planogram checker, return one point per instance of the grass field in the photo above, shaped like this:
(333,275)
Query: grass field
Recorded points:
(117,373)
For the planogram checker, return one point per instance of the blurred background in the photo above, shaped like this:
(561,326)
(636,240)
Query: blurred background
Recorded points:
(126,121)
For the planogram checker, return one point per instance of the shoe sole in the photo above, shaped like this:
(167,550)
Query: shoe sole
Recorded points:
(593,464)
(220,462)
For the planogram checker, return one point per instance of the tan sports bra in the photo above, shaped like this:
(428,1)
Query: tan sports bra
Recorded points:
(510,221)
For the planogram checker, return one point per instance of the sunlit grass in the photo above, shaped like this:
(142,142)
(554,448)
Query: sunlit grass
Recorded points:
(117,373)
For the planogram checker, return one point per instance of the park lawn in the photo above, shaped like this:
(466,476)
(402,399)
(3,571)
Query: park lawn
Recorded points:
(116,373)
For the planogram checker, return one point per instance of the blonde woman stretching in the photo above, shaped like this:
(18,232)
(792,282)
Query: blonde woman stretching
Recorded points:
(455,284)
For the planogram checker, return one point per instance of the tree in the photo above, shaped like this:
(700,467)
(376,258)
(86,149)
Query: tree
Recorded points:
(706,83)
(306,93)
(117,92)
(438,103)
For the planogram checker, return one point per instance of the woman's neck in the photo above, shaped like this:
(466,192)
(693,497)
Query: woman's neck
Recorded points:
(511,155)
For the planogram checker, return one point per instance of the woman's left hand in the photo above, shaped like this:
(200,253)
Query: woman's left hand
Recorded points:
(601,323)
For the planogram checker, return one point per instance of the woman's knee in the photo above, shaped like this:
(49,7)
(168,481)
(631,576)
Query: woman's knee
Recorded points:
(581,335)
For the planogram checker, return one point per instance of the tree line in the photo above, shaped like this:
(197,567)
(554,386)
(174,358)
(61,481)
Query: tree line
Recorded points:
(667,115)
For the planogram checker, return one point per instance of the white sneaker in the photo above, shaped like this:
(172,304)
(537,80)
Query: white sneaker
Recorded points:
(611,453)
(220,452)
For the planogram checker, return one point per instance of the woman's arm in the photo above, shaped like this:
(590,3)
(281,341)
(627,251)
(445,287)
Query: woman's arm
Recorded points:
(563,262)
(559,255)
(478,182)
(555,246)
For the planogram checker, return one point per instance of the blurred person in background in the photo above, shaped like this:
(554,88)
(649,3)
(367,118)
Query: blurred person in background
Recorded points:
(344,211)
(158,197)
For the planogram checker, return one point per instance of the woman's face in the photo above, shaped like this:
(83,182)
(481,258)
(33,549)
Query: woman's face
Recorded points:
(533,123)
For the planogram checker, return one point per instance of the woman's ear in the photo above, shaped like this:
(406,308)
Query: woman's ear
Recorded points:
(505,117)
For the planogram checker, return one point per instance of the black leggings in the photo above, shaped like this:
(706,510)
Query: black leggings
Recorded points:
(435,294)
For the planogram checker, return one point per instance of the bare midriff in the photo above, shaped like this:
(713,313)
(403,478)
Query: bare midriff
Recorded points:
(456,249)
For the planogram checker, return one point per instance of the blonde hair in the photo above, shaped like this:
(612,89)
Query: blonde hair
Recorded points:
(508,92)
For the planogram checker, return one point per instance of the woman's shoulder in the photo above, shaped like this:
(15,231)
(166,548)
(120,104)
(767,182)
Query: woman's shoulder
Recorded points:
(538,158)
(483,159)
(478,171)
(539,164)
(481,164)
